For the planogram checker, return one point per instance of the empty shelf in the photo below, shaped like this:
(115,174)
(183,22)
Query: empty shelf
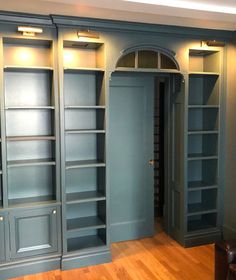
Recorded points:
(85,107)
(79,243)
(84,197)
(83,69)
(205,73)
(85,131)
(198,156)
(203,132)
(30,138)
(199,208)
(203,106)
(31,200)
(200,225)
(29,107)
(85,223)
(30,162)
(29,68)
(201,185)
(84,164)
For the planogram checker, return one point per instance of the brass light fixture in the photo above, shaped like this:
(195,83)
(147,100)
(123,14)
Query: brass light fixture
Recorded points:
(29,31)
(213,43)
(88,34)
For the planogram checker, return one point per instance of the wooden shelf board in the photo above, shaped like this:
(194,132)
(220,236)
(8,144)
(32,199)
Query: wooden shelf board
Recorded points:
(29,107)
(201,52)
(199,208)
(203,106)
(84,164)
(89,196)
(96,107)
(84,131)
(31,200)
(29,138)
(204,73)
(200,225)
(203,132)
(28,68)
(84,69)
(201,156)
(85,242)
(84,223)
(30,162)
(198,185)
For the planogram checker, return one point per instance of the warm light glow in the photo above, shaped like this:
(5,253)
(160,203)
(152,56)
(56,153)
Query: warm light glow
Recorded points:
(68,57)
(24,56)
(29,31)
(189,5)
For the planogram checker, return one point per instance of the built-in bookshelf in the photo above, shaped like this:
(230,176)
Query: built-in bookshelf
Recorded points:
(203,140)
(29,103)
(84,135)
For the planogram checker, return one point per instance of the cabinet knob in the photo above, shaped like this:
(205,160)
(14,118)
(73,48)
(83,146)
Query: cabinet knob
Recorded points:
(151,162)
(1,219)
(54,212)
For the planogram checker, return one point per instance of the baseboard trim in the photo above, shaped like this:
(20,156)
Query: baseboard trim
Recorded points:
(229,232)
(93,258)
(130,230)
(202,239)
(19,269)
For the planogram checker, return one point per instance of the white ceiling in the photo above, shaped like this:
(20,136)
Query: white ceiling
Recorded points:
(215,14)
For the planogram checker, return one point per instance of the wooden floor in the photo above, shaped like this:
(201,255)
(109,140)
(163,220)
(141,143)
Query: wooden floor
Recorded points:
(158,258)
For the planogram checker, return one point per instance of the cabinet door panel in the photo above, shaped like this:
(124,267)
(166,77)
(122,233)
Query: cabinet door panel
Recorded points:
(34,232)
(3,224)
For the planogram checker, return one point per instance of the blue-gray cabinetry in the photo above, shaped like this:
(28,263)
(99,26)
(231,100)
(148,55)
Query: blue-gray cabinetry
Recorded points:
(33,232)
(204,188)
(3,231)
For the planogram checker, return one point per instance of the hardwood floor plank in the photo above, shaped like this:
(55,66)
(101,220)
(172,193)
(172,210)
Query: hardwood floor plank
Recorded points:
(156,258)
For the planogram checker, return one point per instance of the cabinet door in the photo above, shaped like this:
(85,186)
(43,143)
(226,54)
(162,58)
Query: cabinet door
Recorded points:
(34,232)
(3,223)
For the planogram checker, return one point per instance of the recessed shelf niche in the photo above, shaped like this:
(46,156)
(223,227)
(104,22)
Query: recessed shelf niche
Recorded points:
(203,119)
(203,171)
(31,184)
(86,222)
(200,201)
(83,55)
(203,90)
(202,145)
(202,222)
(204,61)
(85,184)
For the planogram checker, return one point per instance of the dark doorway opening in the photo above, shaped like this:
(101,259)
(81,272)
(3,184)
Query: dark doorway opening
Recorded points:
(159,148)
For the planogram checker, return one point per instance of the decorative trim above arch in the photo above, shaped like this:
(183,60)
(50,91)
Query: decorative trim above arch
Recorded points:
(148,57)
